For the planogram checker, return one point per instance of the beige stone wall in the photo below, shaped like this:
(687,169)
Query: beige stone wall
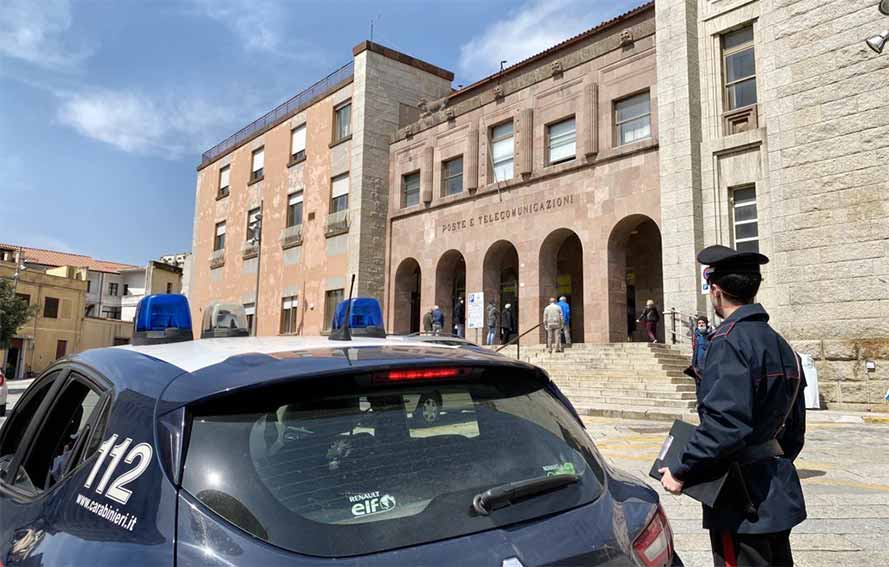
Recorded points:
(160,278)
(817,159)
(588,197)
(98,333)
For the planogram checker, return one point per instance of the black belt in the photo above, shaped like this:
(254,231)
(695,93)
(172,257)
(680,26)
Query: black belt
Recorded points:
(760,452)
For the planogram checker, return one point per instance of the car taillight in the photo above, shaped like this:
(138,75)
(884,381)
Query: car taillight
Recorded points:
(421,374)
(2,381)
(654,546)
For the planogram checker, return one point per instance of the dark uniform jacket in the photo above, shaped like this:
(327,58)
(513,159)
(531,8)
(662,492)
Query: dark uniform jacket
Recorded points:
(748,385)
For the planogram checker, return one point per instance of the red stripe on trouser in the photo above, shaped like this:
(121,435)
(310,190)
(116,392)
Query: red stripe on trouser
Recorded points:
(728,550)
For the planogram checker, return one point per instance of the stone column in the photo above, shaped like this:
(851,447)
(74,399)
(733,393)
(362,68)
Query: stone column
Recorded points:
(426,175)
(470,158)
(590,125)
(524,136)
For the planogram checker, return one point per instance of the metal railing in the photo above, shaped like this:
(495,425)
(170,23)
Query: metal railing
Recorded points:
(337,223)
(282,111)
(518,340)
(681,326)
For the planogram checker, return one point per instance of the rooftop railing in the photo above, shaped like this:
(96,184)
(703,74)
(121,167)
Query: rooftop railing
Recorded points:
(292,106)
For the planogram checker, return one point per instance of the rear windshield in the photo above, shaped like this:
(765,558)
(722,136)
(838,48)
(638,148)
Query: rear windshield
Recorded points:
(367,468)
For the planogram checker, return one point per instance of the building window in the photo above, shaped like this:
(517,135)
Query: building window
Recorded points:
(112,289)
(258,167)
(169,287)
(219,239)
(452,172)
(739,68)
(250,312)
(632,118)
(295,209)
(253,224)
(224,175)
(126,289)
(339,193)
(298,144)
(51,308)
(745,219)
(410,189)
(562,141)
(502,151)
(342,122)
(332,298)
(111,312)
(289,307)
(61,349)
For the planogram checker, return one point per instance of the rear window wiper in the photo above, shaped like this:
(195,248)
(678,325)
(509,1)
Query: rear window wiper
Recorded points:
(506,494)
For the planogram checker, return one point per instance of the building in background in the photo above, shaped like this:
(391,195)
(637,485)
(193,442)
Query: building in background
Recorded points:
(104,289)
(60,326)
(155,277)
(183,261)
(773,138)
(316,169)
(536,182)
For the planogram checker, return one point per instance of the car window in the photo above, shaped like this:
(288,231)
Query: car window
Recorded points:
(61,438)
(347,473)
(14,429)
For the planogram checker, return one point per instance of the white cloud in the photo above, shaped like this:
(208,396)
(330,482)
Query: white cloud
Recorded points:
(34,31)
(261,26)
(532,28)
(171,126)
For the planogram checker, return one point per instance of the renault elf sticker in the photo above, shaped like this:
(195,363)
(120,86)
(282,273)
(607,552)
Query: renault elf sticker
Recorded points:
(370,503)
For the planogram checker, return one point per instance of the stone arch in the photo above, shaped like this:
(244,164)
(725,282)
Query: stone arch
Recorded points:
(500,278)
(560,269)
(406,300)
(635,274)
(450,285)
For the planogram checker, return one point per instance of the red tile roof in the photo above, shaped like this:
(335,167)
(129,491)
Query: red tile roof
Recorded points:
(55,259)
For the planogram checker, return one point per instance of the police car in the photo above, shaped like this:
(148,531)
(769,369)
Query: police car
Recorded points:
(297,451)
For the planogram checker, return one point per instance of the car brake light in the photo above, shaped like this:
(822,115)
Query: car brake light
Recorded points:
(421,374)
(654,546)
(2,381)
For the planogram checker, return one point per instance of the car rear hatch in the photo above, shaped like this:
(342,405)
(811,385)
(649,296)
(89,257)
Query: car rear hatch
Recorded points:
(343,466)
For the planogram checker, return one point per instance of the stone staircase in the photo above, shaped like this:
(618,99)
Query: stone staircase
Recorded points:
(628,380)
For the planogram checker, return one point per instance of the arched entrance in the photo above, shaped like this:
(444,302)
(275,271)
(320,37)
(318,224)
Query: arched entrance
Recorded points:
(450,285)
(561,274)
(501,281)
(406,301)
(635,274)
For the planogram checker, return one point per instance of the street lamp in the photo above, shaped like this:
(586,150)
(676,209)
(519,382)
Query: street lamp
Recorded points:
(256,240)
(876,42)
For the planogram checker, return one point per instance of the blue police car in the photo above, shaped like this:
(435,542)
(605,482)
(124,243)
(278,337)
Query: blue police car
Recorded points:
(295,451)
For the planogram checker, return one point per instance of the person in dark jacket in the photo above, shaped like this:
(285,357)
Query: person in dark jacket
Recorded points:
(437,320)
(752,414)
(491,315)
(460,318)
(507,324)
(700,340)
(649,318)
(427,322)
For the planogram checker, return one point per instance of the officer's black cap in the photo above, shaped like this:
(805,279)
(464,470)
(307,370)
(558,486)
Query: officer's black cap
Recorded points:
(726,260)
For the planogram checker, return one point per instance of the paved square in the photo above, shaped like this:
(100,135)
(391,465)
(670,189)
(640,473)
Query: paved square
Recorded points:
(845,473)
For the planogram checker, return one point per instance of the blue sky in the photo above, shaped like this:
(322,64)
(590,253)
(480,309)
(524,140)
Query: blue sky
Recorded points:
(106,105)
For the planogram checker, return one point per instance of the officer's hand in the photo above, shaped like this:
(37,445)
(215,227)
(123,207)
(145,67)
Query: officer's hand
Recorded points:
(669,483)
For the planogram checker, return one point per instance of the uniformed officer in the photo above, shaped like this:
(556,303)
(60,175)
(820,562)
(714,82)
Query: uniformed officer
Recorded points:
(752,412)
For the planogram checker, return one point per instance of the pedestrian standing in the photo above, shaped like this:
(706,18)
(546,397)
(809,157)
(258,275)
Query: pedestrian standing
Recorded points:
(752,415)
(553,321)
(507,324)
(700,340)
(649,319)
(566,316)
(427,322)
(491,314)
(437,320)
(460,318)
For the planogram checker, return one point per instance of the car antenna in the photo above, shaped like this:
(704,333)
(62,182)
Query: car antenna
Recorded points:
(344,333)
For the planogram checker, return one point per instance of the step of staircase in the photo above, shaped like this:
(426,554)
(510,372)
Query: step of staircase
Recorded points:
(623,380)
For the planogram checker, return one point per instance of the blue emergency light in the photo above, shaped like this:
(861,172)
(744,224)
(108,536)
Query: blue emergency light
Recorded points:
(365,319)
(162,318)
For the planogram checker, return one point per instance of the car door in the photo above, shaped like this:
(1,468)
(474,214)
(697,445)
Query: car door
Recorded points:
(62,432)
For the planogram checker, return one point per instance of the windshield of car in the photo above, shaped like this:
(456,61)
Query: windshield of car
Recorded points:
(361,469)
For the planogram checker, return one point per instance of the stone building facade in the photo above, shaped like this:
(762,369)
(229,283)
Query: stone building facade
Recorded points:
(772,134)
(316,170)
(539,181)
